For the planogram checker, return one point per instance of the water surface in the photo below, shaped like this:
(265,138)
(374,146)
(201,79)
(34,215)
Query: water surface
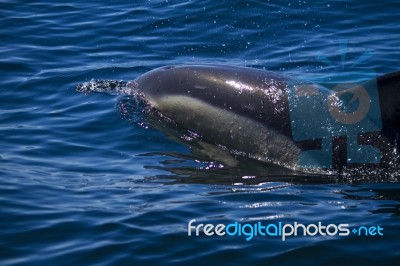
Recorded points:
(84,183)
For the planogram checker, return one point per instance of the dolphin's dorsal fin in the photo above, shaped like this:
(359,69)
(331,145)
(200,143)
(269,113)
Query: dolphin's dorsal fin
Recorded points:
(389,99)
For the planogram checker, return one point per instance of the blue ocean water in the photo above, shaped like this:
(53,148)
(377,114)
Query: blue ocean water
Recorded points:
(82,182)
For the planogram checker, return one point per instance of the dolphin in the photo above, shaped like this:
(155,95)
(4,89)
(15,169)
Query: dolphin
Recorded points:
(275,118)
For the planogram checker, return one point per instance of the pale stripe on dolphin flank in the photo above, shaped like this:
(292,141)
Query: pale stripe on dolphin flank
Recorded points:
(230,129)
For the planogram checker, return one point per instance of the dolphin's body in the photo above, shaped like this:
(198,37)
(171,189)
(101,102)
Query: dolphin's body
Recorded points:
(273,118)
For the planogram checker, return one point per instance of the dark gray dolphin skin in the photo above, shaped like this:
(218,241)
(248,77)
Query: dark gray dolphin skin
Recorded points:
(253,112)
